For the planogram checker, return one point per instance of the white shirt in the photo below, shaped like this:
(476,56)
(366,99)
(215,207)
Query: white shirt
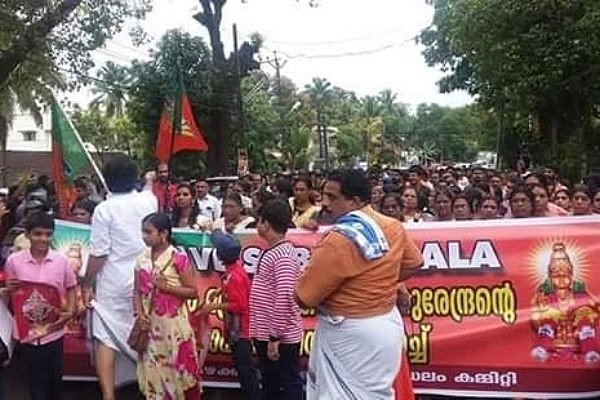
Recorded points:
(210,207)
(117,234)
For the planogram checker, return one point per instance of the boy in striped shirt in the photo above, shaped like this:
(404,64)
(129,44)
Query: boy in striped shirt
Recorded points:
(275,321)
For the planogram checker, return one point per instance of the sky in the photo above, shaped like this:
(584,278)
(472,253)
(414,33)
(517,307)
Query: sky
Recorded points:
(363,46)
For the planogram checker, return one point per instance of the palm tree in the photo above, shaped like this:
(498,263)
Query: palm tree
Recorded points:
(298,148)
(387,99)
(320,95)
(371,125)
(319,92)
(111,89)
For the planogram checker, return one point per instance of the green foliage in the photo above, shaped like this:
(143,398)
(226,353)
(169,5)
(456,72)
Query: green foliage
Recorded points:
(538,58)
(108,134)
(261,123)
(111,89)
(62,32)
(156,80)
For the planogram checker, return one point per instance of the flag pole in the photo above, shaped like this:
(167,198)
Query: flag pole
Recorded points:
(80,141)
(175,122)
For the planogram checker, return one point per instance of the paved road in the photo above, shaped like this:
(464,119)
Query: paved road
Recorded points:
(15,388)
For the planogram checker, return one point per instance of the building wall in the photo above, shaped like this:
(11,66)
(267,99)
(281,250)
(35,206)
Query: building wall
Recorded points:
(26,135)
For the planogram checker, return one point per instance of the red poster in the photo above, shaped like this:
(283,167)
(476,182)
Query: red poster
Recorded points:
(35,306)
(506,308)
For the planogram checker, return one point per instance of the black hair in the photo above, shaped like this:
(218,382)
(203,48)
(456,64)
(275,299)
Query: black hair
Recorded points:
(416,169)
(263,195)
(489,197)
(80,182)
(463,196)
(161,222)
(39,220)
(582,188)
(195,208)
(284,187)
(236,198)
(540,177)
(278,214)
(391,195)
(353,183)
(540,186)
(307,181)
(443,191)
(522,189)
(120,173)
(86,204)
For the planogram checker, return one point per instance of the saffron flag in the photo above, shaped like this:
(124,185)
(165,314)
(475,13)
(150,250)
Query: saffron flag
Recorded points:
(185,134)
(69,158)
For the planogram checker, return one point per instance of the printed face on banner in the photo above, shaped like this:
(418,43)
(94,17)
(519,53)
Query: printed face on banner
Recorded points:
(499,307)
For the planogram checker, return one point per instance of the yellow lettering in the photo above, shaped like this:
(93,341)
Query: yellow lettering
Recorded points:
(459,302)
(441,301)
(210,297)
(463,303)
(306,344)
(483,301)
(218,344)
(308,312)
(416,311)
(504,302)
(417,345)
(428,307)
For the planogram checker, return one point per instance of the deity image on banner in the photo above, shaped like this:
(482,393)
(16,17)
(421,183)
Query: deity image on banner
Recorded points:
(565,317)
(76,255)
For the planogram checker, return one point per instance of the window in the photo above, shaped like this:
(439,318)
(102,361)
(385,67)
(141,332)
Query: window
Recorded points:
(29,136)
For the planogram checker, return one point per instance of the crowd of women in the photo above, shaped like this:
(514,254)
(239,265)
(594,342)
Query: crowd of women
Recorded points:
(416,195)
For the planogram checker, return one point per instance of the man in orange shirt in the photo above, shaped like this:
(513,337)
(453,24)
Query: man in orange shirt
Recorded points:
(352,281)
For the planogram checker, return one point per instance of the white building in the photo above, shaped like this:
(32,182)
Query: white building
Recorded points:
(25,135)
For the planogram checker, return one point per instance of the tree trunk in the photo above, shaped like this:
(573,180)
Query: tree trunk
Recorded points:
(218,150)
(3,139)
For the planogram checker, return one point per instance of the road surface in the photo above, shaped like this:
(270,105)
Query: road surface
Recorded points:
(15,388)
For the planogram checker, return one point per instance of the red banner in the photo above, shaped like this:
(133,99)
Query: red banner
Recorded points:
(500,308)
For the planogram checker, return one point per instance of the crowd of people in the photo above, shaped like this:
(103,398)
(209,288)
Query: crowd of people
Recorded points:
(136,283)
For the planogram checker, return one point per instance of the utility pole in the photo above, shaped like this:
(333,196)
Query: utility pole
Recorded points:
(242,167)
(323,126)
(278,64)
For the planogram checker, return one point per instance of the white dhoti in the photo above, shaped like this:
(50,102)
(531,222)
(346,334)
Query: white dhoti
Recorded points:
(111,322)
(355,359)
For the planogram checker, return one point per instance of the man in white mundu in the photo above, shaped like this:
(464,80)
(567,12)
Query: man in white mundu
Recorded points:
(116,241)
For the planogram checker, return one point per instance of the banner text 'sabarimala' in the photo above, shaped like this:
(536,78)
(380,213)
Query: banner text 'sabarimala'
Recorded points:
(499,308)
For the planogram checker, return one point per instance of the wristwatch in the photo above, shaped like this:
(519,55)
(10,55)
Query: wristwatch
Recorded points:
(273,339)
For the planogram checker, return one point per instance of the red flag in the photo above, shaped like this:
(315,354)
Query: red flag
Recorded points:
(189,137)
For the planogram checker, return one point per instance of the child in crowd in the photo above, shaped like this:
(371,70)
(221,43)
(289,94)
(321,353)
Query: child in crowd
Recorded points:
(164,281)
(43,352)
(236,289)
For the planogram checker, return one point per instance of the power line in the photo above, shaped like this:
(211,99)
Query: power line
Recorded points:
(338,41)
(129,48)
(345,54)
(115,55)
(131,88)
